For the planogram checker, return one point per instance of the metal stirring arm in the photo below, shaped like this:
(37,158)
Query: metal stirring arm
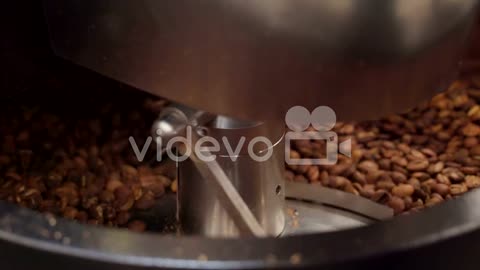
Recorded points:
(246,221)
(175,120)
(339,199)
(227,193)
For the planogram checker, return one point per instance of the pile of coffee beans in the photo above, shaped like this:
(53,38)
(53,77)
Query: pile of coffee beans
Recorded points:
(406,161)
(69,155)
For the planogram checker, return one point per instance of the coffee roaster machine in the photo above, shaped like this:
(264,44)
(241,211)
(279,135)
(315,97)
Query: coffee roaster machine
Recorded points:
(234,68)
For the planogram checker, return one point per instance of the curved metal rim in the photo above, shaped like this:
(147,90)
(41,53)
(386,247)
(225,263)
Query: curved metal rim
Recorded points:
(30,229)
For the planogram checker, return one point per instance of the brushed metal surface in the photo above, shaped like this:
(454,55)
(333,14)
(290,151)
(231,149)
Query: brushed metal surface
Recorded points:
(254,59)
(236,215)
(322,195)
(308,218)
(205,210)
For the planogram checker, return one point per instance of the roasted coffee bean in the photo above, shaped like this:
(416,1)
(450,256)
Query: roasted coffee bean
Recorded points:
(368,191)
(70,213)
(88,202)
(400,161)
(13,176)
(436,168)
(434,200)
(417,165)
(422,176)
(428,184)
(129,172)
(385,164)
(368,166)
(359,177)
(475,150)
(470,170)
(404,148)
(399,177)
(137,226)
(442,189)
(364,137)
(454,174)
(373,176)
(137,191)
(381,196)
(350,188)
(313,173)
(385,185)
(399,169)
(442,179)
(357,154)
(397,204)
(403,190)
(471,130)
(416,155)
(429,152)
(338,182)
(69,194)
(408,202)
(384,176)
(80,163)
(114,182)
(452,164)
(157,183)
(458,189)
(339,170)
(472,181)
(417,204)
(174,185)
(32,198)
(414,182)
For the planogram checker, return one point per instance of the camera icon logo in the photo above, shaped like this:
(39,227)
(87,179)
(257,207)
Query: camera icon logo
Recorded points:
(322,119)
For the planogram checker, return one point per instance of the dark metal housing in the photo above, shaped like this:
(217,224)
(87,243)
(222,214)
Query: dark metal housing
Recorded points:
(444,237)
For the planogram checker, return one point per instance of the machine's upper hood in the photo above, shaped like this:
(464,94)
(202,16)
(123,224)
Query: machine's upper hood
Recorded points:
(256,59)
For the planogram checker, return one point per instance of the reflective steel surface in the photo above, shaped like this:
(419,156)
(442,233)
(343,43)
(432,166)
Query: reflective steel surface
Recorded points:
(400,242)
(203,200)
(255,59)
(308,218)
(322,195)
